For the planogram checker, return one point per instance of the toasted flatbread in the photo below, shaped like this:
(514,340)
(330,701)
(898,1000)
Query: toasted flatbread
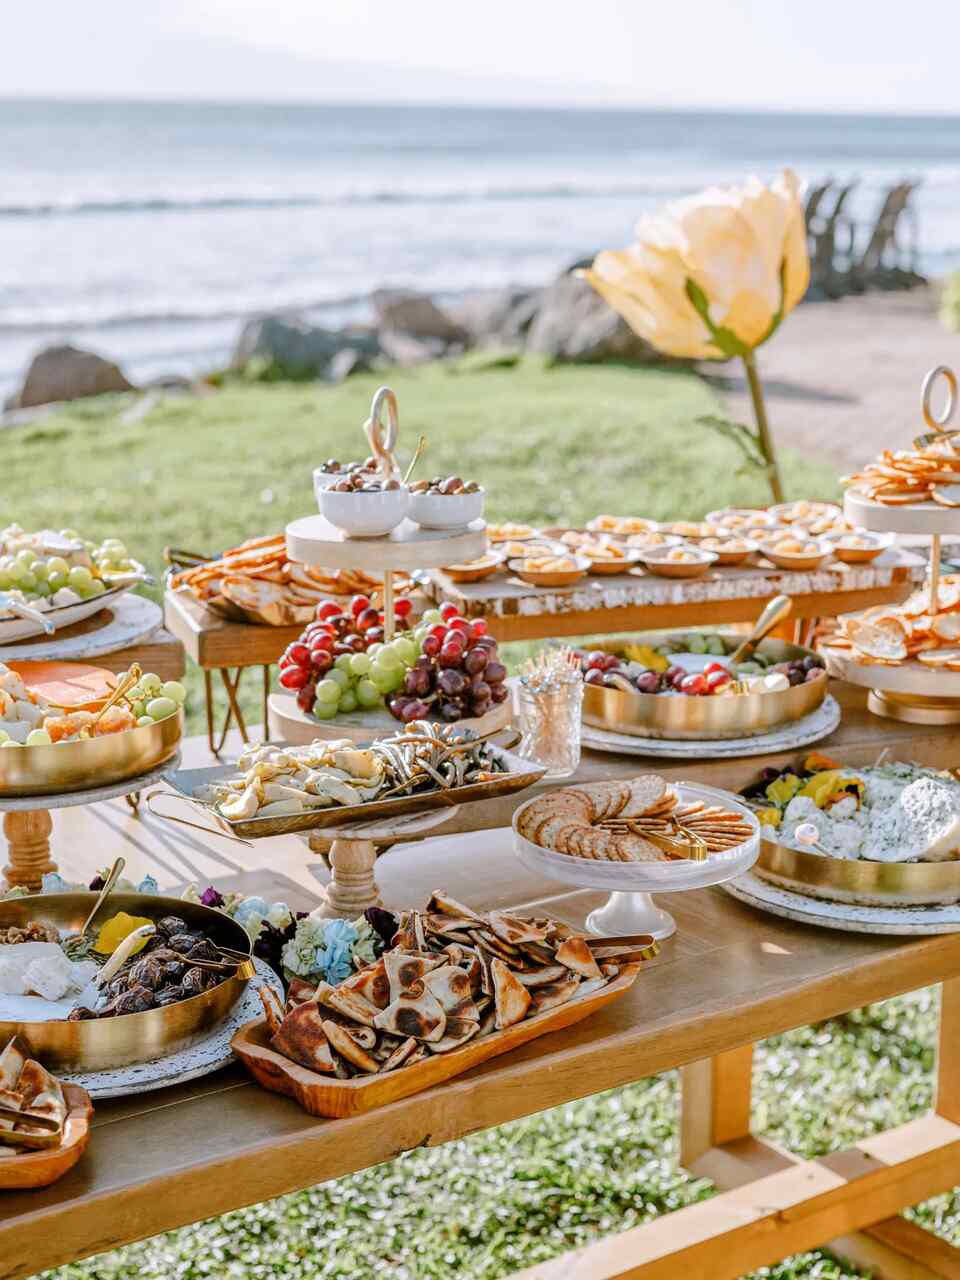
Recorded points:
(511,998)
(451,986)
(343,1042)
(421,1016)
(302,1038)
(573,953)
(556,993)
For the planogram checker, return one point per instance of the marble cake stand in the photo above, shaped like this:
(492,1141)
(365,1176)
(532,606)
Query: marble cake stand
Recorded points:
(27,826)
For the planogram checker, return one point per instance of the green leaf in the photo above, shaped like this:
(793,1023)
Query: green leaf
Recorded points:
(742,436)
(724,340)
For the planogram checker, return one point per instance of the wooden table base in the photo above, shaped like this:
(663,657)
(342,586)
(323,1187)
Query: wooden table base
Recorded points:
(773,1204)
(28,847)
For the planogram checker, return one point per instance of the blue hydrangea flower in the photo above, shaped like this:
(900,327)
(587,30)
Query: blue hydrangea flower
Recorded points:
(148,885)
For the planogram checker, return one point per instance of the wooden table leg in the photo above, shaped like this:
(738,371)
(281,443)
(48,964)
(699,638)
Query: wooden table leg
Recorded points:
(208,700)
(233,706)
(266,702)
(28,847)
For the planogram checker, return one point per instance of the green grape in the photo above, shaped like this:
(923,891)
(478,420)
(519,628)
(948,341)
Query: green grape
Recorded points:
(175,690)
(80,577)
(43,590)
(405,650)
(16,570)
(40,570)
(4,737)
(26,557)
(96,588)
(431,617)
(57,581)
(340,676)
(325,710)
(38,738)
(57,564)
(329,691)
(145,720)
(9,743)
(114,548)
(28,581)
(374,649)
(6,581)
(381,677)
(150,683)
(368,695)
(342,662)
(389,659)
(348,701)
(160,708)
(138,709)
(360,664)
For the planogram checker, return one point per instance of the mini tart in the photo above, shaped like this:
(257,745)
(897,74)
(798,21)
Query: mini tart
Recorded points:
(621,524)
(678,562)
(510,531)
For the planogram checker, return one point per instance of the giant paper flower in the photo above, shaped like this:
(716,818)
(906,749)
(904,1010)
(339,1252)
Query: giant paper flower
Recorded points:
(714,275)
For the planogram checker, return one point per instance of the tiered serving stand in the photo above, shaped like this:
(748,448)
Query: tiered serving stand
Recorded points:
(909,691)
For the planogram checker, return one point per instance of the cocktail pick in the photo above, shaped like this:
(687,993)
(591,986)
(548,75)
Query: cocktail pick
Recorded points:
(808,835)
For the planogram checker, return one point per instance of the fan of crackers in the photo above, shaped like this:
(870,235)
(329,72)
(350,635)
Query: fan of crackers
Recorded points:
(256,582)
(636,820)
(889,636)
(929,474)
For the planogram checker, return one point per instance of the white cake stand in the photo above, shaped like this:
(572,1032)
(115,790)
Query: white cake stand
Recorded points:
(630,909)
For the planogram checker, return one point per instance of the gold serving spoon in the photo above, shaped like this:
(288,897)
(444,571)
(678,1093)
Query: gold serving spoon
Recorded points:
(777,611)
(76,945)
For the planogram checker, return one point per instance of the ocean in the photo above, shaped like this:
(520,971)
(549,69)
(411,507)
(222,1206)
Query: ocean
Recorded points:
(150,231)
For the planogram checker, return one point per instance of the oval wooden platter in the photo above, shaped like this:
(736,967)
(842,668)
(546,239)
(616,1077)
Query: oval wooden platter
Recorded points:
(29,1169)
(327,1096)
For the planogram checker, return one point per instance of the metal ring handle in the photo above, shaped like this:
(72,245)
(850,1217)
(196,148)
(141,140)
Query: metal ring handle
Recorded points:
(929,382)
(185,822)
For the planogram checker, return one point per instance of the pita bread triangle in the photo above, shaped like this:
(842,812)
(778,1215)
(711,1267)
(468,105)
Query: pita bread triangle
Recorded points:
(576,955)
(343,1042)
(555,993)
(421,1016)
(302,1038)
(511,998)
(452,988)
(405,970)
(513,930)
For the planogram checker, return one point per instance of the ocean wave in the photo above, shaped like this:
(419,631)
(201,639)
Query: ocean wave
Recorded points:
(219,201)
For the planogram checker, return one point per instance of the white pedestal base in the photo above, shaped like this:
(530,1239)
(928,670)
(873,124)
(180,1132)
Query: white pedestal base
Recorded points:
(630,913)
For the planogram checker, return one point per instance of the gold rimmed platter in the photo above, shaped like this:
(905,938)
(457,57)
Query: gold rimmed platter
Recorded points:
(91,762)
(859,882)
(106,1043)
(679,716)
(519,774)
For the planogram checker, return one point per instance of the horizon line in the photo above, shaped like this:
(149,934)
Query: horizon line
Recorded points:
(101,99)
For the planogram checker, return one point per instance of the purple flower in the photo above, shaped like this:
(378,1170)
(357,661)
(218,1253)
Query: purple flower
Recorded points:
(211,898)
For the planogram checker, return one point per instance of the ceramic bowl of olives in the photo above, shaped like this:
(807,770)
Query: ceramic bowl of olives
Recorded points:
(446,502)
(333,471)
(365,506)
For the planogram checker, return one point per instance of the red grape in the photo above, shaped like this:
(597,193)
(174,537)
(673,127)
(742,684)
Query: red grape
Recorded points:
(322,641)
(495,673)
(358,604)
(367,618)
(648,682)
(451,682)
(499,693)
(478,628)
(449,610)
(402,607)
(294,677)
(327,609)
(711,667)
(596,661)
(414,709)
(612,663)
(375,636)
(285,661)
(450,656)
(460,625)
(396,705)
(481,691)
(694,684)
(593,676)
(450,710)
(307,697)
(439,632)
(430,646)
(341,648)
(474,660)
(356,644)
(322,661)
(299,654)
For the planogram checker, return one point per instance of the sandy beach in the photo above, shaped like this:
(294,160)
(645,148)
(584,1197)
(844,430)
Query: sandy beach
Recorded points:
(842,379)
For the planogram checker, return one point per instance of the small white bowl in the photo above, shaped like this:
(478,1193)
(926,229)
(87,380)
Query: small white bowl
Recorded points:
(364,515)
(446,510)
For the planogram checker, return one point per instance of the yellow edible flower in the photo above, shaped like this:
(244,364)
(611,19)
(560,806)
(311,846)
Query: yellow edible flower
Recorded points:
(116,929)
(646,656)
(782,791)
(769,817)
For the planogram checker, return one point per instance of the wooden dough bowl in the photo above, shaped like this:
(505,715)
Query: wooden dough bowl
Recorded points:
(40,1168)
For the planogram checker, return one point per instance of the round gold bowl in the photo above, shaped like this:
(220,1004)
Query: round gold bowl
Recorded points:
(98,1045)
(680,716)
(859,882)
(91,762)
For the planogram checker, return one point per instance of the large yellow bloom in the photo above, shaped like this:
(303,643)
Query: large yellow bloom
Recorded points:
(713,276)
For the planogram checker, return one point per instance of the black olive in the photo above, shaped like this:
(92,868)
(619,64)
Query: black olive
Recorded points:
(171,925)
(136,1000)
(182,942)
(173,971)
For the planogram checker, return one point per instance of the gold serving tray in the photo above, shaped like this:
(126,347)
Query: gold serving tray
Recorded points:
(859,883)
(655,715)
(522,774)
(134,1037)
(91,763)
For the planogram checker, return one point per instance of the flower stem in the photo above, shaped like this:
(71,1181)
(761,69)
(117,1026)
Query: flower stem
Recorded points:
(764,438)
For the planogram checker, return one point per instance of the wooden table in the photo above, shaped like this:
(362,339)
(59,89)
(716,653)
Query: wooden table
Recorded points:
(218,645)
(730,977)
(624,602)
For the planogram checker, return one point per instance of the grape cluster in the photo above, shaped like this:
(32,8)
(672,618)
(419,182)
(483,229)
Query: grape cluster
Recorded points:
(802,670)
(341,662)
(448,667)
(458,673)
(37,575)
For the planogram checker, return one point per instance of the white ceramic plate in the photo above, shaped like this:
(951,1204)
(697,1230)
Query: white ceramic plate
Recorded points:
(12,629)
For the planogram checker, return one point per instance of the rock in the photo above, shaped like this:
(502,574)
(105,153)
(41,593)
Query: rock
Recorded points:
(67,373)
(405,311)
(172,383)
(294,348)
(573,323)
(346,362)
(487,315)
(404,348)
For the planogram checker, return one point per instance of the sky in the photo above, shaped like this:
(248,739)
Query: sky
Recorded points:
(860,55)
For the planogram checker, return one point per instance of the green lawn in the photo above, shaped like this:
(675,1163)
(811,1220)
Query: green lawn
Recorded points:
(550,446)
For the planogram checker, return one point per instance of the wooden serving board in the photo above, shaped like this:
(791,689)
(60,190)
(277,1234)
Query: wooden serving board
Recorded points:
(328,1096)
(40,1168)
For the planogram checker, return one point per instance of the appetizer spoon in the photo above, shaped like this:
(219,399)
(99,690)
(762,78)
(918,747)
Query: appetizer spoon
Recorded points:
(76,945)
